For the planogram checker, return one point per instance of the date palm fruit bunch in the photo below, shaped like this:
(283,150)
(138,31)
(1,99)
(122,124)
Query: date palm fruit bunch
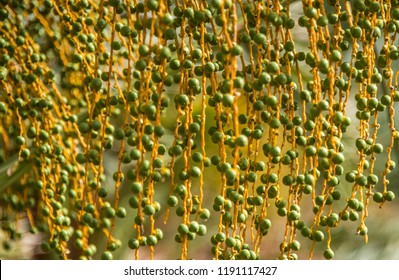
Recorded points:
(142,111)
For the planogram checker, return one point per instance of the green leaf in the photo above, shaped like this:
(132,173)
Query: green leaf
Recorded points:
(7,179)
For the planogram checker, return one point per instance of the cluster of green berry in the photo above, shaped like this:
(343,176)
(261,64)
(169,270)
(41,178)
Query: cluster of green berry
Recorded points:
(180,89)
